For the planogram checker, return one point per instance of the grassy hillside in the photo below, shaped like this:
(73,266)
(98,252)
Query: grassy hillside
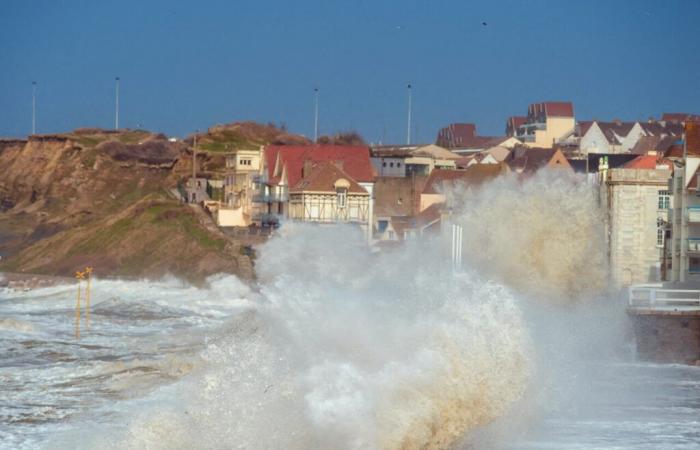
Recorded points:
(102,198)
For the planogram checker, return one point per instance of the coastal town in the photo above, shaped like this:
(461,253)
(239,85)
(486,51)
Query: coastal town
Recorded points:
(646,173)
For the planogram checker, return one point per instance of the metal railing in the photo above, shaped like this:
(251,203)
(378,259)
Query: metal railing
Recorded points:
(655,297)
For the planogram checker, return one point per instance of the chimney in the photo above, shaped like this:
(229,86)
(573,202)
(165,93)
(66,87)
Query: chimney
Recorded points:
(308,165)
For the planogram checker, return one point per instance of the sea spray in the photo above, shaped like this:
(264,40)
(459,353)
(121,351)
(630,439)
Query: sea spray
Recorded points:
(346,349)
(543,236)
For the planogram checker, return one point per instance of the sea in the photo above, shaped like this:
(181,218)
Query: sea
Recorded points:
(522,345)
(144,339)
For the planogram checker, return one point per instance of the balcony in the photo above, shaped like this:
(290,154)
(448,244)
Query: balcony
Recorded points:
(694,245)
(270,198)
(694,214)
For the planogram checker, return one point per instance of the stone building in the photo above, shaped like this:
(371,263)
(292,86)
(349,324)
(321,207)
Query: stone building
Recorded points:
(637,201)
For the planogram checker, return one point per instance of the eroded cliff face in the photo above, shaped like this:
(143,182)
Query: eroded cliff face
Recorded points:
(95,197)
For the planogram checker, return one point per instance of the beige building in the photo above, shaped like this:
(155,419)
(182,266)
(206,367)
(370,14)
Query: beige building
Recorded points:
(637,203)
(547,123)
(327,194)
(242,173)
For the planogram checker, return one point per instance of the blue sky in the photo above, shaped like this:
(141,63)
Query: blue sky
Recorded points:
(190,65)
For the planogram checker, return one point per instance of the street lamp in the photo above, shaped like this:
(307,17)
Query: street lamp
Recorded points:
(116,104)
(315,115)
(33,107)
(408,130)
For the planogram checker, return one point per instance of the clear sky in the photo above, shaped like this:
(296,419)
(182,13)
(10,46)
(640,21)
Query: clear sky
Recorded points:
(189,65)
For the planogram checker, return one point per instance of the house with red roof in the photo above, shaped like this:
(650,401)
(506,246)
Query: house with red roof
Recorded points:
(513,124)
(462,138)
(318,183)
(546,124)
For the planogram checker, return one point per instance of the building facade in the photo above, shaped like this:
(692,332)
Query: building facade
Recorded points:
(637,203)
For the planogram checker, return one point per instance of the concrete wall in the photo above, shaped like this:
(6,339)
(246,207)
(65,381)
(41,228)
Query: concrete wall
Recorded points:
(668,338)
(389,167)
(227,217)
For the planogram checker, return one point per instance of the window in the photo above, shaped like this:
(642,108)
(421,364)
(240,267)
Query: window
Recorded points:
(398,164)
(384,164)
(664,199)
(246,162)
(694,265)
(660,232)
(391,164)
(342,197)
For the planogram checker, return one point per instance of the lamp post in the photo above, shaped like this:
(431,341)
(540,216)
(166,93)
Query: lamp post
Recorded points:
(33,107)
(116,104)
(315,115)
(408,129)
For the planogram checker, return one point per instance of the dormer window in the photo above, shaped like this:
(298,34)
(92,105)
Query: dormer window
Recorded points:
(342,194)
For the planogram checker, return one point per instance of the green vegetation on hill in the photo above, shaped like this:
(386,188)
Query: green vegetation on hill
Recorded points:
(102,198)
(244,135)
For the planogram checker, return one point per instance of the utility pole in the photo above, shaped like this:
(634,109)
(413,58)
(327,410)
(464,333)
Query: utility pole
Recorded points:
(194,157)
(33,107)
(315,115)
(408,130)
(116,102)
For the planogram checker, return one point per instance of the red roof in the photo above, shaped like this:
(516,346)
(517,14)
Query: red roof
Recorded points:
(647,162)
(323,176)
(290,158)
(552,109)
(473,176)
(679,117)
(455,134)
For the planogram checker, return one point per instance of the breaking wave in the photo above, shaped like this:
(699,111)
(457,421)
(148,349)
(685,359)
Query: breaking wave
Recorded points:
(341,348)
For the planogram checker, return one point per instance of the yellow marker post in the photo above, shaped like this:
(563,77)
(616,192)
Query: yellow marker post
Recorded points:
(79,276)
(88,270)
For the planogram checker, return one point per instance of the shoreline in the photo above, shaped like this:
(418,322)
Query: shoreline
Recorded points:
(29,281)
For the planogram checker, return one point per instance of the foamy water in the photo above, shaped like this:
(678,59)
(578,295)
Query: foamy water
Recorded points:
(339,348)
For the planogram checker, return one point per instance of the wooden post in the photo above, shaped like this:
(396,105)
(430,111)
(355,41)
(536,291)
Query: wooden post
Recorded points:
(88,270)
(79,276)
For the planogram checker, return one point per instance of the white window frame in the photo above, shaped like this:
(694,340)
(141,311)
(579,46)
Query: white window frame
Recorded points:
(342,198)
(664,200)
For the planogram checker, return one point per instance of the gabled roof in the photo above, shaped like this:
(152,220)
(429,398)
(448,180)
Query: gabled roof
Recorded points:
(648,162)
(474,175)
(355,160)
(516,121)
(584,126)
(531,159)
(657,144)
(615,131)
(434,151)
(455,134)
(552,109)
(324,177)
(483,142)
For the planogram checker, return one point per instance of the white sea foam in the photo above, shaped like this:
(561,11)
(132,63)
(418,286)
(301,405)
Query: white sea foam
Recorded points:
(340,348)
